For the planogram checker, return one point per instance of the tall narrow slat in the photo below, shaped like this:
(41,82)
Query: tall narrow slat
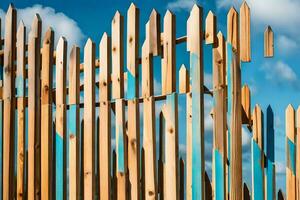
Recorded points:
(245,31)
(154,33)
(34,110)
(210,28)
(89,120)
(46,115)
(133,132)
(170,111)
(121,150)
(105,119)
(257,144)
(189,146)
(184,80)
(1,118)
(132,52)
(195,33)
(20,84)
(147,71)
(61,131)
(149,148)
(168,74)
(269,42)
(290,153)
(219,88)
(270,180)
(298,153)
(246,104)
(9,104)
(117,31)
(235,92)
(73,123)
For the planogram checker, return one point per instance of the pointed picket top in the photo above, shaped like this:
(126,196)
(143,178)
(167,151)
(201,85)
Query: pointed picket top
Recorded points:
(245,5)
(194,30)
(182,68)
(184,82)
(89,43)
(10,9)
(290,108)
(290,122)
(154,33)
(103,38)
(21,29)
(232,28)
(36,26)
(268,42)
(257,126)
(169,15)
(61,44)
(195,9)
(49,36)
(210,28)
(132,8)
(116,17)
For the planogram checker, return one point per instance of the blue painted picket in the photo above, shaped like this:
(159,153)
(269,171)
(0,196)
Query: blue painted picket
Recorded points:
(257,172)
(219,175)
(59,166)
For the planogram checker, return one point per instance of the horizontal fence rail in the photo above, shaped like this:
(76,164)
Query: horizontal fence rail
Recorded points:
(80,133)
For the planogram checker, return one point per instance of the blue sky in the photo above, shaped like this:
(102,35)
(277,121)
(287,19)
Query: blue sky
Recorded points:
(272,81)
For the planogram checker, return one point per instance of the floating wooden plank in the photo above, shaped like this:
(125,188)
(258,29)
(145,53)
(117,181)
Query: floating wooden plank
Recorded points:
(161,158)
(154,33)
(89,120)
(269,43)
(117,30)
(219,88)
(246,105)
(184,80)
(9,105)
(210,28)
(134,147)
(170,111)
(245,38)
(149,146)
(132,52)
(189,146)
(105,149)
(257,166)
(290,153)
(270,171)
(34,110)
(147,72)
(194,30)
(20,84)
(121,149)
(168,75)
(46,115)
(105,53)
(73,123)
(61,131)
(236,121)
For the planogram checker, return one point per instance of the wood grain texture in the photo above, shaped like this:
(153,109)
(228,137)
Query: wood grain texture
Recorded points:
(105,70)
(147,71)
(245,31)
(153,33)
(269,43)
(89,120)
(149,146)
(246,105)
(210,28)
(46,116)
(184,80)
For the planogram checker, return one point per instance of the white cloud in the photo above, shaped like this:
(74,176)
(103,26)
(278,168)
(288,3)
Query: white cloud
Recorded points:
(61,24)
(287,45)
(181,5)
(280,73)
(246,138)
(280,168)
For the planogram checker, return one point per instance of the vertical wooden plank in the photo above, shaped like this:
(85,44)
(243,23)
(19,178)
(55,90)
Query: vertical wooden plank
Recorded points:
(61,131)
(147,71)
(219,87)
(117,31)
(149,145)
(133,102)
(246,104)
(121,150)
(271,176)
(34,109)
(153,33)
(184,80)
(161,159)
(46,115)
(20,84)
(105,119)
(132,52)
(74,122)
(290,153)
(194,30)
(9,104)
(236,121)
(298,154)
(189,146)
(245,31)
(170,111)
(269,43)
(210,28)
(89,120)
(168,74)
(257,145)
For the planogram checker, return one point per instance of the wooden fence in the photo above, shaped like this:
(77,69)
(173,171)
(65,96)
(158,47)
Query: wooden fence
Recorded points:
(54,145)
